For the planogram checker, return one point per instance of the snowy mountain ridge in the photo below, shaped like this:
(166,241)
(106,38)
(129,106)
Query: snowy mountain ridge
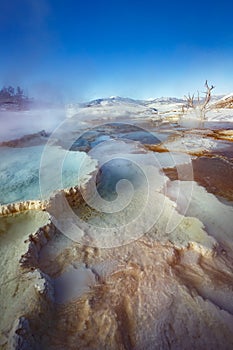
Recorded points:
(125,101)
(118,100)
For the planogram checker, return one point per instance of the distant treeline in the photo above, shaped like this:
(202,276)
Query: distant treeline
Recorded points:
(13,98)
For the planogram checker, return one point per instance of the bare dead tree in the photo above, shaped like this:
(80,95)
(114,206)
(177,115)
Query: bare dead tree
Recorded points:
(199,103)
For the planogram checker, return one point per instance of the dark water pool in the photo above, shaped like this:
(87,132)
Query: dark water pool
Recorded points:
(123,131)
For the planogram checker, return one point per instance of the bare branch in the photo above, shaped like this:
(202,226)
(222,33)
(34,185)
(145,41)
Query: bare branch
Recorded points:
(190,100)
(208,95)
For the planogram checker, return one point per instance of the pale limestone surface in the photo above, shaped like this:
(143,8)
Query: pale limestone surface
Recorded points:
(166,290)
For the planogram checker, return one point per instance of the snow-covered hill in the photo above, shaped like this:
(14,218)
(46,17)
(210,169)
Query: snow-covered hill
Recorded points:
(224,102)
(113,100)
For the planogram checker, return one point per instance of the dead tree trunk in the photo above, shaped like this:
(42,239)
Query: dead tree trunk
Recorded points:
(208,95)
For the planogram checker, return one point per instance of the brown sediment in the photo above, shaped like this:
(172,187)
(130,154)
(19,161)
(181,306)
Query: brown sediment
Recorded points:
(160,148)
(29,140)
(217,134)
(20,207)
(172,173)
(221,134)
(214,173)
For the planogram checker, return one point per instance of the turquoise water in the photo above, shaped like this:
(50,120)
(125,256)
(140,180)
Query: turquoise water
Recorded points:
(20,172)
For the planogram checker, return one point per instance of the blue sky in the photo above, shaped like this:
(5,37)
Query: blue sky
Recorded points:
(85,49)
